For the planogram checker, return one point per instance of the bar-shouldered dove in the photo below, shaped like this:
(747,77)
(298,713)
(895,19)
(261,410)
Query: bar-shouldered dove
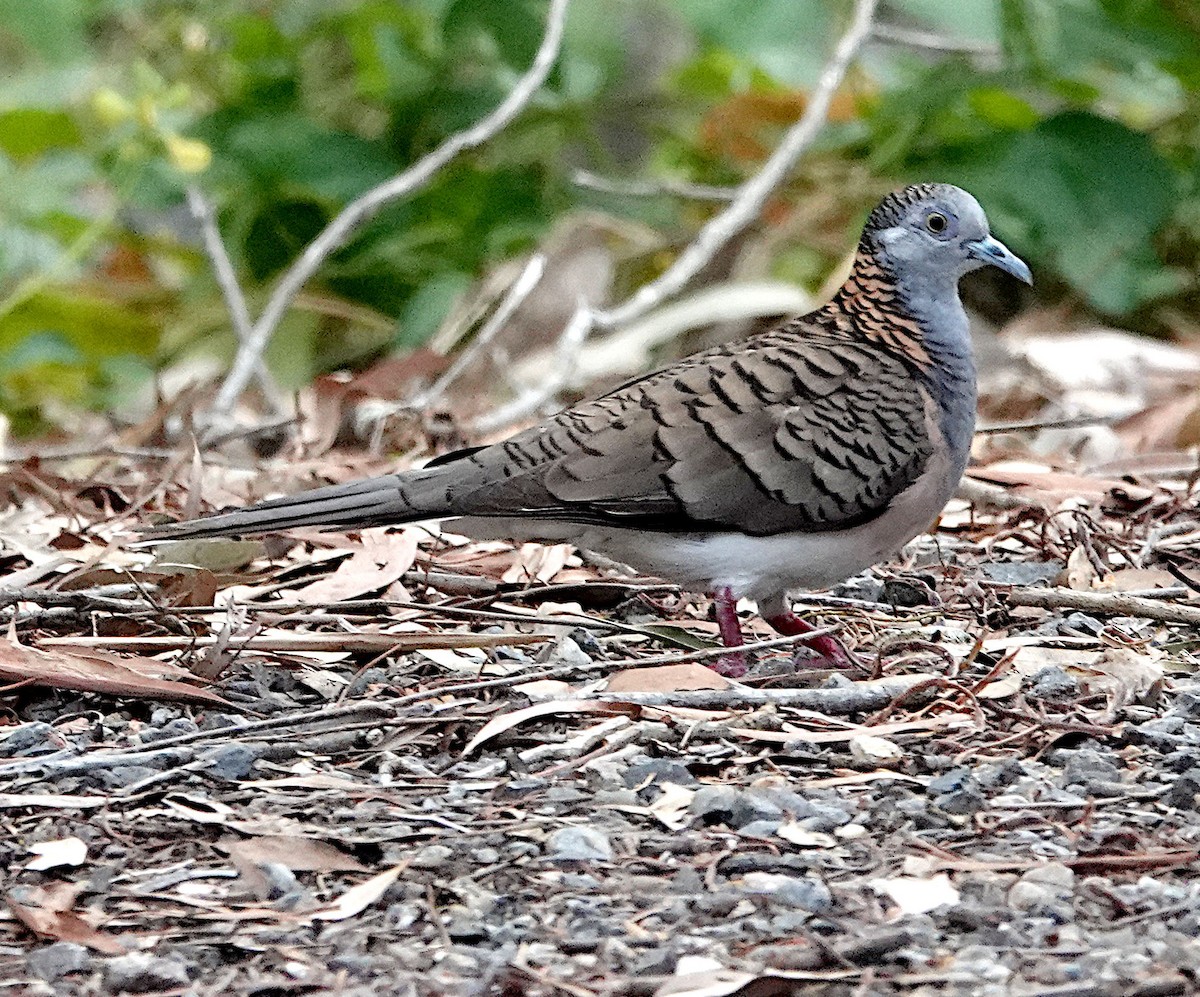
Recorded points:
(792,459)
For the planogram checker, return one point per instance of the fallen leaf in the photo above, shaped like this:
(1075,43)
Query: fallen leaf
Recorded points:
(216,554)
(507,721)
(667,678)
(912,895)
(359,898)
(50,801)
(60,852)
(803,838)
(538,562)
(66,666)
(874,750)
(297,853)
(381,560)
(46,911)
(671,807)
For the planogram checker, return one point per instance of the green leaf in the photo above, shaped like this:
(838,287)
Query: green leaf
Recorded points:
(27,132)
(427,308)
(1085,194)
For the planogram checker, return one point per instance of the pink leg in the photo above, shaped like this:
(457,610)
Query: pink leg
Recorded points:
(731,665)
(790,625)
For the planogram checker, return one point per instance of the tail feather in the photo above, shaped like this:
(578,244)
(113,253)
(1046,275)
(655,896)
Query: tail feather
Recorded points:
(357,504)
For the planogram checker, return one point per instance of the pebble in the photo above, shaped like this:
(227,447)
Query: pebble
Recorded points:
(661,770)
(1052,683)
(579,844)
(53,961)
(431,857)
(232,761)
(140,972)
(28,739)
(805,892)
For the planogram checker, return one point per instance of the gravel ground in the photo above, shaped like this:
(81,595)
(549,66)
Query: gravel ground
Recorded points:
(1004,801)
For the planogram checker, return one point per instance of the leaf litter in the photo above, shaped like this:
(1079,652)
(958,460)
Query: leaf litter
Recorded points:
(397,761)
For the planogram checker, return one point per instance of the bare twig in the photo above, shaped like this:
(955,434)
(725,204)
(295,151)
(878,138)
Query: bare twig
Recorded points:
(914,38)
(743,209)
(1107,604)
(652,188)
(753,194)
(352,217)
(235,301)
(857,697)
(377,414)
(532,399)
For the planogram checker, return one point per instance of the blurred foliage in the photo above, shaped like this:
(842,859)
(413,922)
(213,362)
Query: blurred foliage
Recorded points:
(1076,122)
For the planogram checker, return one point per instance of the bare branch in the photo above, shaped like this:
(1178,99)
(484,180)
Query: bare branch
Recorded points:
(652,188)
(371,416)
(355,214)
(235,301)
(753,194)
(746,206)
(557,374)
(927,40)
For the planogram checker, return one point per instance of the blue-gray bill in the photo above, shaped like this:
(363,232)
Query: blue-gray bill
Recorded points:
(994,253)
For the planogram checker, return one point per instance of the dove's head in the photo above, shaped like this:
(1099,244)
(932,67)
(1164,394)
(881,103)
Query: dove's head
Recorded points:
(928,235)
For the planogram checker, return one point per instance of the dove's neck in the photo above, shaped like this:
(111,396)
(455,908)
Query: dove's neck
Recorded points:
(925,322)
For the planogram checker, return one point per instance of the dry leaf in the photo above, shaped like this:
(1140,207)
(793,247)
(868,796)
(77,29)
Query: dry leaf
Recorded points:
(359,898)
(297,853)
(53,854)
(507,721)
(667,678)
(381,560)
(874,750)
(46,911)
(89,670)
(918,896)
(671,807)
(538,562)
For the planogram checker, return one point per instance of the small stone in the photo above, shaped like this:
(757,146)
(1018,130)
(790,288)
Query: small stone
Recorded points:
(230,761)
(28,739)
(465,928)
(431,857)
(660,770)
(176,727)
(53,961)
(714,804)
(760,828)
(805,892)
(1054,874)
(579,844)
(1054,684)
(140,972)
(960,804)
(1184,791)
(824,817)
(120,776)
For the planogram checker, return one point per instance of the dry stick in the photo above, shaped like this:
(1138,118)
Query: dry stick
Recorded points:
(746,206)
(512,300)
(570,340)
(357,212)
(1113,604)
(235,301)
(652,188)
(859,697)
(753,194)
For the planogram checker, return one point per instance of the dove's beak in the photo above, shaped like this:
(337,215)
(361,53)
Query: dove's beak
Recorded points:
(992,252)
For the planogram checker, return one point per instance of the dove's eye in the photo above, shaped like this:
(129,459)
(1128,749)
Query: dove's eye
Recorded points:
(936,222)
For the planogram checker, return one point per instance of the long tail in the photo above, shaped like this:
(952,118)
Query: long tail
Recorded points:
(358,504)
